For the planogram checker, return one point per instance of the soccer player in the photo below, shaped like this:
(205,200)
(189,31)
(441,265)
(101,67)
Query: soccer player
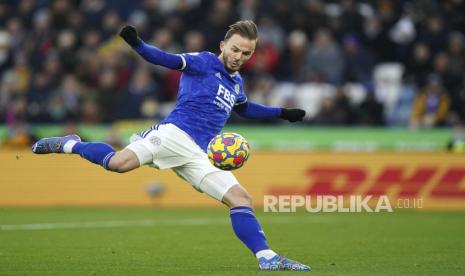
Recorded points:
(210,88)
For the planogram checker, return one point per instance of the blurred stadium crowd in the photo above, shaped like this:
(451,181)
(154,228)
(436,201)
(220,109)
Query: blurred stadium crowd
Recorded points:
(381,62)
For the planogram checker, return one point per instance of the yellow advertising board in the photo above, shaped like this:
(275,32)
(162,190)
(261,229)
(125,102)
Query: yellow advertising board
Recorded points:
(437,179)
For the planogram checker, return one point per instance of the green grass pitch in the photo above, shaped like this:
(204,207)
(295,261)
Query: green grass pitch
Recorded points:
(151,241)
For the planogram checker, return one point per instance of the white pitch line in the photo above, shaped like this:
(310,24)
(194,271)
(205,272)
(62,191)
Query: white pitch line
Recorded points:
(147,223)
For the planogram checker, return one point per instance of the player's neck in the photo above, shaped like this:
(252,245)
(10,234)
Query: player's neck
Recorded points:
(231,73)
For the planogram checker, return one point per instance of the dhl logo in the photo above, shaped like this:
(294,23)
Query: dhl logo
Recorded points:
(400,181)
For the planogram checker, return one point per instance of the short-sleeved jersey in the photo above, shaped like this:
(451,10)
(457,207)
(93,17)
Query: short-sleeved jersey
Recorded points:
(207,94)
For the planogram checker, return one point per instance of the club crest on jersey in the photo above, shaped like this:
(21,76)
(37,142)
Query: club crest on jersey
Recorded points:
(237,88)
(156,141)
(218,75)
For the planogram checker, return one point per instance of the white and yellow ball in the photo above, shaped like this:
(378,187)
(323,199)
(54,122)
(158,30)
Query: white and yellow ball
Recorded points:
(228,151)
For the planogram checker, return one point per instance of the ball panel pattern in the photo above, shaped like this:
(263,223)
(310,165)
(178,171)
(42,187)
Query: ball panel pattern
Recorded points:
(228,151)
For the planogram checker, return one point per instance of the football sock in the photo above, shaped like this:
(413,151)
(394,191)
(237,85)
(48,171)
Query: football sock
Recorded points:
(96,152)
(267,254)
(68,146)
(248,230)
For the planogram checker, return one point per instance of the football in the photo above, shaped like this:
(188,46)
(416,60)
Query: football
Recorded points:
(228,151)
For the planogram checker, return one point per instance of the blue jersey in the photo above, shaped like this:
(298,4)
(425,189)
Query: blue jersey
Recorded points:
(207,94)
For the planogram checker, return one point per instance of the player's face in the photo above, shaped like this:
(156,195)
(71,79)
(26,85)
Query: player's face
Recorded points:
(236,51)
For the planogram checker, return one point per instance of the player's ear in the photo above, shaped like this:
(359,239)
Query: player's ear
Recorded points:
(222,43)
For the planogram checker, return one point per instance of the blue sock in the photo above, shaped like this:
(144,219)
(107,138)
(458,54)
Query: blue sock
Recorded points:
(247,228)
(96,152)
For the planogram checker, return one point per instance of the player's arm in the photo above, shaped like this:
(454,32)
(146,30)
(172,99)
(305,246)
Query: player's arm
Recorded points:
(192,63)
(151,53)
(258,111)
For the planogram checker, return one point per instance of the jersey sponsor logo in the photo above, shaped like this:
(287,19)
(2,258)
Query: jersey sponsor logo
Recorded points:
(224,98)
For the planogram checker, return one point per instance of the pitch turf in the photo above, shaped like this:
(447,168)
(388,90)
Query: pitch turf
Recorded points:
(142,241)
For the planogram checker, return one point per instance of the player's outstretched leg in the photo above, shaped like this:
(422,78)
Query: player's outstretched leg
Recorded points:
(249,231)
(96,152)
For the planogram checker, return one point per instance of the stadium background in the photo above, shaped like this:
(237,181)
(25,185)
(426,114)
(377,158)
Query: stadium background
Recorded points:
(383,84)
(373,76)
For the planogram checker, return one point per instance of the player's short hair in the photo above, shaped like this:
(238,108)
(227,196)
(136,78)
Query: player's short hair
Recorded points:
(244,28)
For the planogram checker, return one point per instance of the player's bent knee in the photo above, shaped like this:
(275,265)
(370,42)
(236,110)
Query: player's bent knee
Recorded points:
(237,196)
(123,161)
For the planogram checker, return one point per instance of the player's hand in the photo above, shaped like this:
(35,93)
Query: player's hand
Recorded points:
(292,114)
(129,34)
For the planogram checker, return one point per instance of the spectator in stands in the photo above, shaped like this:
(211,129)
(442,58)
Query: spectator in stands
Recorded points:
(194,41)
(434,34)
(371,111)
(294,56)
(456,52)
(140,88)
(272,31)
(324,60)
(6,57)
(42,43)
(401,35)
(351,19)
(431,105)
(335,110)
(359,61)
(419,65)
(265,59)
